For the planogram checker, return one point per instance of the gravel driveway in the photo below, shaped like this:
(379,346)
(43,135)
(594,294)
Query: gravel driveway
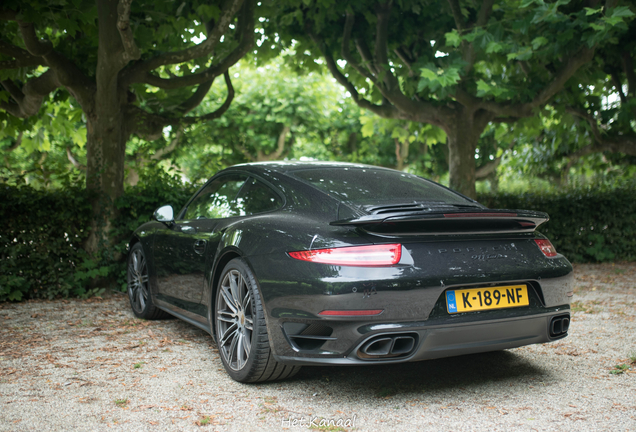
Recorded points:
(90,365)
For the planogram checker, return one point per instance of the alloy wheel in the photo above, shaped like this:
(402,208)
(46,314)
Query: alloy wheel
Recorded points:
(138,281)
(234,320)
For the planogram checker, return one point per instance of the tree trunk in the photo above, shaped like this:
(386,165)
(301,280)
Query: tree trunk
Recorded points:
(463,137)
(401,153)
(106,148)
(107,134)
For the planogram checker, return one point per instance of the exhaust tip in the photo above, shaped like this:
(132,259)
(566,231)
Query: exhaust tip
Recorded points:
(559,326)
(388,346)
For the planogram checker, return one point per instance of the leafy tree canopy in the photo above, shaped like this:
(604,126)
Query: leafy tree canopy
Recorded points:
(456,65)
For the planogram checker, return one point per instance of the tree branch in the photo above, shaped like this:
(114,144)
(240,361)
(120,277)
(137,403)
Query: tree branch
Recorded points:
(381,110)
(16,144)
(568,68)
(628,67)
(381,53)
(28,100)
(346,54)
(74,161)
(365,54)
(219,111)
(22,58)
(150,126)
(403,56)
(625,144)
(482,20)
(196,98)
(67,73)
(139,72)
(280,147)
(484,13)
(618,86)
(131,51)
(247,41)
(486,169)
(489,167)
(159,154)
(456,10)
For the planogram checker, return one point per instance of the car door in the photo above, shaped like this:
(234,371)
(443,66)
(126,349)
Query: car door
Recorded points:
(184,249)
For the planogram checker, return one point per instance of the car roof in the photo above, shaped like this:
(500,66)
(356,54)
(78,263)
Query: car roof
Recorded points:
(289,166)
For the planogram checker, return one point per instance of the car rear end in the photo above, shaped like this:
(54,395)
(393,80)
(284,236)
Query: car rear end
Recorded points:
(423,279)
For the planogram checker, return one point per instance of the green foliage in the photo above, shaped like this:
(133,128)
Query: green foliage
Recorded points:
(40,241)
(41,236)
(155,189)
(586,225)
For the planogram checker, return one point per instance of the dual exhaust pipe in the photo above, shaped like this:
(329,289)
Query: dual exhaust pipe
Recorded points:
(388,346)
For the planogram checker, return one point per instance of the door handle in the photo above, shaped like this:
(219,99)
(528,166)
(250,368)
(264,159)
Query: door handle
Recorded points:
(187,229)
(199,246)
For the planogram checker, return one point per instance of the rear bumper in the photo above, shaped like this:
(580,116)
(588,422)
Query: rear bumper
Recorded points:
(439,341)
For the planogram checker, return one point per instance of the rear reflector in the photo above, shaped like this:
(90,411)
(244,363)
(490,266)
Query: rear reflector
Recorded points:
(546,247)
(362,256)
(369,312)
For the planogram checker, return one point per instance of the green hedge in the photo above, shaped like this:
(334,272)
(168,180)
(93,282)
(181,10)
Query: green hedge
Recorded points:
(42,231)
(585,226)
(41,236)
(40,241)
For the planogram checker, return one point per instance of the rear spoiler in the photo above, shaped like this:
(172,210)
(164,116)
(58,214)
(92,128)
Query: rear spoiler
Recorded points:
(464,221)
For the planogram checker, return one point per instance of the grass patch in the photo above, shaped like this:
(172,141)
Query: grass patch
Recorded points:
(582,307)
(121,403)
(204,421)
(619,369)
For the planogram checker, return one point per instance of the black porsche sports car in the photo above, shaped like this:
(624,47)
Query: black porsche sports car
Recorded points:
(290,264)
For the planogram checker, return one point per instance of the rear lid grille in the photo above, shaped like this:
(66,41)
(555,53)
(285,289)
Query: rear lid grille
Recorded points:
(446,221)
(407,208)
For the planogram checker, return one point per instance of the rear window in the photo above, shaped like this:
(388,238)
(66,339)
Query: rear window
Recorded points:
(369,185)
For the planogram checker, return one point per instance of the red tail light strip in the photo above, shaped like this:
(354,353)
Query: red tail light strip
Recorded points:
(362,256)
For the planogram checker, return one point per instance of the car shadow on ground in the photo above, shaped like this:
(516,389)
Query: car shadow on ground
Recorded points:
(469,372)
(463,373)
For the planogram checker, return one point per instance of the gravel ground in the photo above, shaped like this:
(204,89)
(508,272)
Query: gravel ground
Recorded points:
(90,365)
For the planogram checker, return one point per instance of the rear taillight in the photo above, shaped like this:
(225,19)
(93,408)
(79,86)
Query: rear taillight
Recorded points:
(546,247)
(362,256)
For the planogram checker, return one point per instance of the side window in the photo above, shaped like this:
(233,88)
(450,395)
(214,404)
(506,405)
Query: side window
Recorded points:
(217,200)
(256,197)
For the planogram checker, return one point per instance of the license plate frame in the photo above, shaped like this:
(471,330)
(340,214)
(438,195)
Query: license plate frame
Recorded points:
(486,298)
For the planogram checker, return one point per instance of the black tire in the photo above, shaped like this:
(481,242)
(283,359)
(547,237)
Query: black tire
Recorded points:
(138,287)
(241,331)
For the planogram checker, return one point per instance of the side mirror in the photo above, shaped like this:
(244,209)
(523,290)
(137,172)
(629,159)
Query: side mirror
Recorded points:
(164,214)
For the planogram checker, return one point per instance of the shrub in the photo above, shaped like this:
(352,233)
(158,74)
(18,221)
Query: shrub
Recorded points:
(41,234)
(40,241)
(584,225)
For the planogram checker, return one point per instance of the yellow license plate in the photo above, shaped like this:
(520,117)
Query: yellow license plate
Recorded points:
(477,299)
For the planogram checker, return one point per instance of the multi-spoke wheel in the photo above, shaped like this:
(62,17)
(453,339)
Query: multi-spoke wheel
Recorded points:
(234,320)
(138,290)
(241,332)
